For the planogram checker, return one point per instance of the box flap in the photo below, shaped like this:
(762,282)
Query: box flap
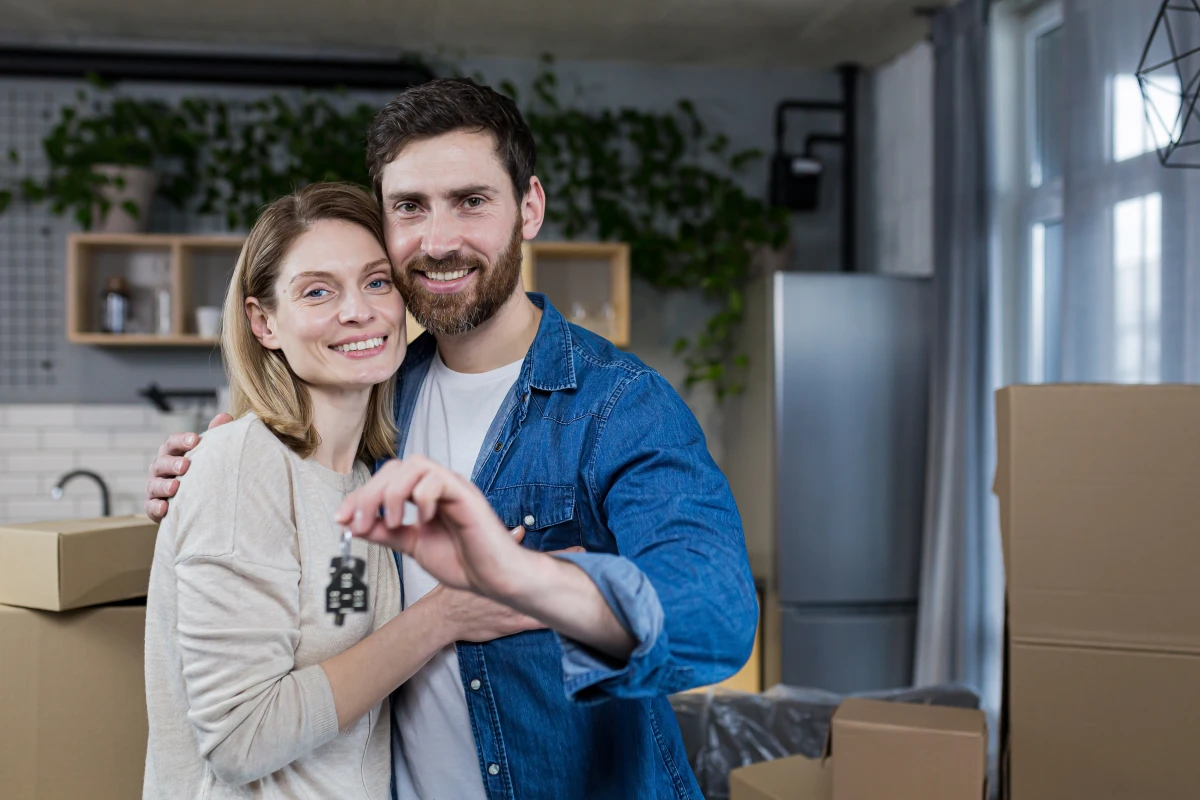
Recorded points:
(791,778)
(1100,514)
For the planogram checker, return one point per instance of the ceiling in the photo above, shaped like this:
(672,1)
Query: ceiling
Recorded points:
(745,33)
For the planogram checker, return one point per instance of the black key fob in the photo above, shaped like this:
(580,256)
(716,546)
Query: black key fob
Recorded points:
(347,592)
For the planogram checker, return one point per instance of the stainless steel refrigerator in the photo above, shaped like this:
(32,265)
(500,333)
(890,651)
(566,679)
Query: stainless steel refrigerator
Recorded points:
(826,454)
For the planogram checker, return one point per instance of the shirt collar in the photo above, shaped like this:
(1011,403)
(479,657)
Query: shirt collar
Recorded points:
(549,364)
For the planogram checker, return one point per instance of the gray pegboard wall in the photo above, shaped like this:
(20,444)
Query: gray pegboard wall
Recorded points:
(37,364)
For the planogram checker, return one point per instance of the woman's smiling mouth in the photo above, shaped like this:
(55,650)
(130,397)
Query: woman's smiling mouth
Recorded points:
(362,348)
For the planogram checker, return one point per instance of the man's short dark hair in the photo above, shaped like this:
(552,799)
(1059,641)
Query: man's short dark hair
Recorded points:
(444,106)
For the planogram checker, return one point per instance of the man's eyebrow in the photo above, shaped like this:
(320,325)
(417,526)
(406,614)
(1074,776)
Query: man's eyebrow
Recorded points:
(421,198)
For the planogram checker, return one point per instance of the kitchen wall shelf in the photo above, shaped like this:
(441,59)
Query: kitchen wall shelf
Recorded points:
(195,269)
(587,281)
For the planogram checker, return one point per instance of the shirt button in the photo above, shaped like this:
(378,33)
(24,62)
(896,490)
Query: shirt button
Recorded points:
(475,684)
(493,769)
(529,520)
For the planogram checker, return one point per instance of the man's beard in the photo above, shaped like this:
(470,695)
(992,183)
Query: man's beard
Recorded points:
(459,312)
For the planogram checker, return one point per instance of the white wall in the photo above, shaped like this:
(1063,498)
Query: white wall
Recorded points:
(903,163)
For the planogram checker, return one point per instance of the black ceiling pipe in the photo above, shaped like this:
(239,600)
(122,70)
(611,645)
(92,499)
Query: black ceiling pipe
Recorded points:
(114,66)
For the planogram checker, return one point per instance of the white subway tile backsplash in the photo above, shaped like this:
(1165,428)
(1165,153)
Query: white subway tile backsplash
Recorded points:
(40,443)
(145,441)
(19,416)
(13,439)
(39,510)
(109,462)
(23,462)
(76,440)
(19,487)
(114,417)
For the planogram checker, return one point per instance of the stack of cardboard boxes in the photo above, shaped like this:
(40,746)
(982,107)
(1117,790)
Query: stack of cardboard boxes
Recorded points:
(1099,489)
(72,696)
(881,751)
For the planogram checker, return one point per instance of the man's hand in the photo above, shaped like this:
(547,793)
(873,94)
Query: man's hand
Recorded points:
(457,537)
(169,465)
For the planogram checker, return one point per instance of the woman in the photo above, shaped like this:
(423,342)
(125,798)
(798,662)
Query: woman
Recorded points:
(252,690)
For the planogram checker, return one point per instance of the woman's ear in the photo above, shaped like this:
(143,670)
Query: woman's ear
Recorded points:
(261,324)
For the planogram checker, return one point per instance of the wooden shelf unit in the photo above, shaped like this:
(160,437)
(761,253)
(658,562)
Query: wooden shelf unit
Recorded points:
(569,271)
(86,250)
(587,273)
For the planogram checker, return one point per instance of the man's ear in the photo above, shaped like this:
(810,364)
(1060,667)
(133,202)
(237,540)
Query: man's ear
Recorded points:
(532,209)
(261,324)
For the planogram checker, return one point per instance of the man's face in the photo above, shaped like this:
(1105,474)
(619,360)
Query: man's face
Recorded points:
(454,230)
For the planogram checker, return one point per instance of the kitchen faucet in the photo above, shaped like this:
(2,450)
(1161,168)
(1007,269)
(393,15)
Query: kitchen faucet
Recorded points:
(57,491)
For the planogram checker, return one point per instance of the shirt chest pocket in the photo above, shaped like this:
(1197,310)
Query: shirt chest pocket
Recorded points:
(547,512)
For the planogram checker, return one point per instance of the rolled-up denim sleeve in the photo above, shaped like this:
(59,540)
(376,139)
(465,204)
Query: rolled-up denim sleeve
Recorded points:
(679,580)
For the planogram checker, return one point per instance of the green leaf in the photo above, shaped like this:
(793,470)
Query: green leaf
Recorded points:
(6,197)
(131,208)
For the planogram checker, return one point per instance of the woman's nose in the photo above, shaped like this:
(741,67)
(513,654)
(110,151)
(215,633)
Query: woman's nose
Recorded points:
(356,307)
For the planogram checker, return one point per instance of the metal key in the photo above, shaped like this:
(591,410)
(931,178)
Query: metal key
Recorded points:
(347,591)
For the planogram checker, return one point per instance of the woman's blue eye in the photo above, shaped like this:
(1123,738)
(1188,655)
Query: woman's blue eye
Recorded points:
(378,283)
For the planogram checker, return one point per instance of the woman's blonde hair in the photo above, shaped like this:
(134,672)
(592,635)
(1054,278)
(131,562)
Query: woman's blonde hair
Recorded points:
(260,379)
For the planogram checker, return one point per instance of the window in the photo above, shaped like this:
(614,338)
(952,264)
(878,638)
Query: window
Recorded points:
(1045,57)
(1137,289)
(1045,303)
(1138,127)
(1045,152)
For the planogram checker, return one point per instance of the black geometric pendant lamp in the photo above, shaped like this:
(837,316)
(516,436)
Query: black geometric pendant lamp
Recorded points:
(1169,77)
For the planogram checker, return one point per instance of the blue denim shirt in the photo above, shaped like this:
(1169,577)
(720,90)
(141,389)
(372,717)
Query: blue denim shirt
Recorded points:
(594,448)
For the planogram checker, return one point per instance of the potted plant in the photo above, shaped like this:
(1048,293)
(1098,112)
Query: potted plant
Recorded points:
(109,159)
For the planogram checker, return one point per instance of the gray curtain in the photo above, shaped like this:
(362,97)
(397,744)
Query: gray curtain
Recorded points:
(960,618)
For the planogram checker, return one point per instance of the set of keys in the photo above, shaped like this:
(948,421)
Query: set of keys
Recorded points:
(347,591)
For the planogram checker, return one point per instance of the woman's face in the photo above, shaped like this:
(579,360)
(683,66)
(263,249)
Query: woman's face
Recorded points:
(338,318)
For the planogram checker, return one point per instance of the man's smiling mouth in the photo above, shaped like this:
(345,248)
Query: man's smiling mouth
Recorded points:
(451,275)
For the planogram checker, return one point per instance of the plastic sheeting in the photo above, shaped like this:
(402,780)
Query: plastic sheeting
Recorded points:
(723,730)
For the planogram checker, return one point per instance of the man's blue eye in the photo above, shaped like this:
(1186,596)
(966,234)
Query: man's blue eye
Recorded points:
(313,293)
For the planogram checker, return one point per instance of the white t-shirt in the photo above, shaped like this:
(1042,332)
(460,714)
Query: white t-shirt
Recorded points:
(438,762)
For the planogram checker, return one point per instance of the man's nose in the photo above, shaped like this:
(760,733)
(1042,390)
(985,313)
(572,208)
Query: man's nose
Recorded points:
(442,237)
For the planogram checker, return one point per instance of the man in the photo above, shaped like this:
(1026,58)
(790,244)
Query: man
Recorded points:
(565,435)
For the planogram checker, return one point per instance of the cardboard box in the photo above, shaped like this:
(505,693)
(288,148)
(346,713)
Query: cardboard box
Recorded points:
(901,751)
(72,703)
(68,564)
(1100,514)
(1101,536)
(1102,724)
(791,778)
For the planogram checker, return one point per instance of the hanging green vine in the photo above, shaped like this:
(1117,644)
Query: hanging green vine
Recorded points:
(662,182)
